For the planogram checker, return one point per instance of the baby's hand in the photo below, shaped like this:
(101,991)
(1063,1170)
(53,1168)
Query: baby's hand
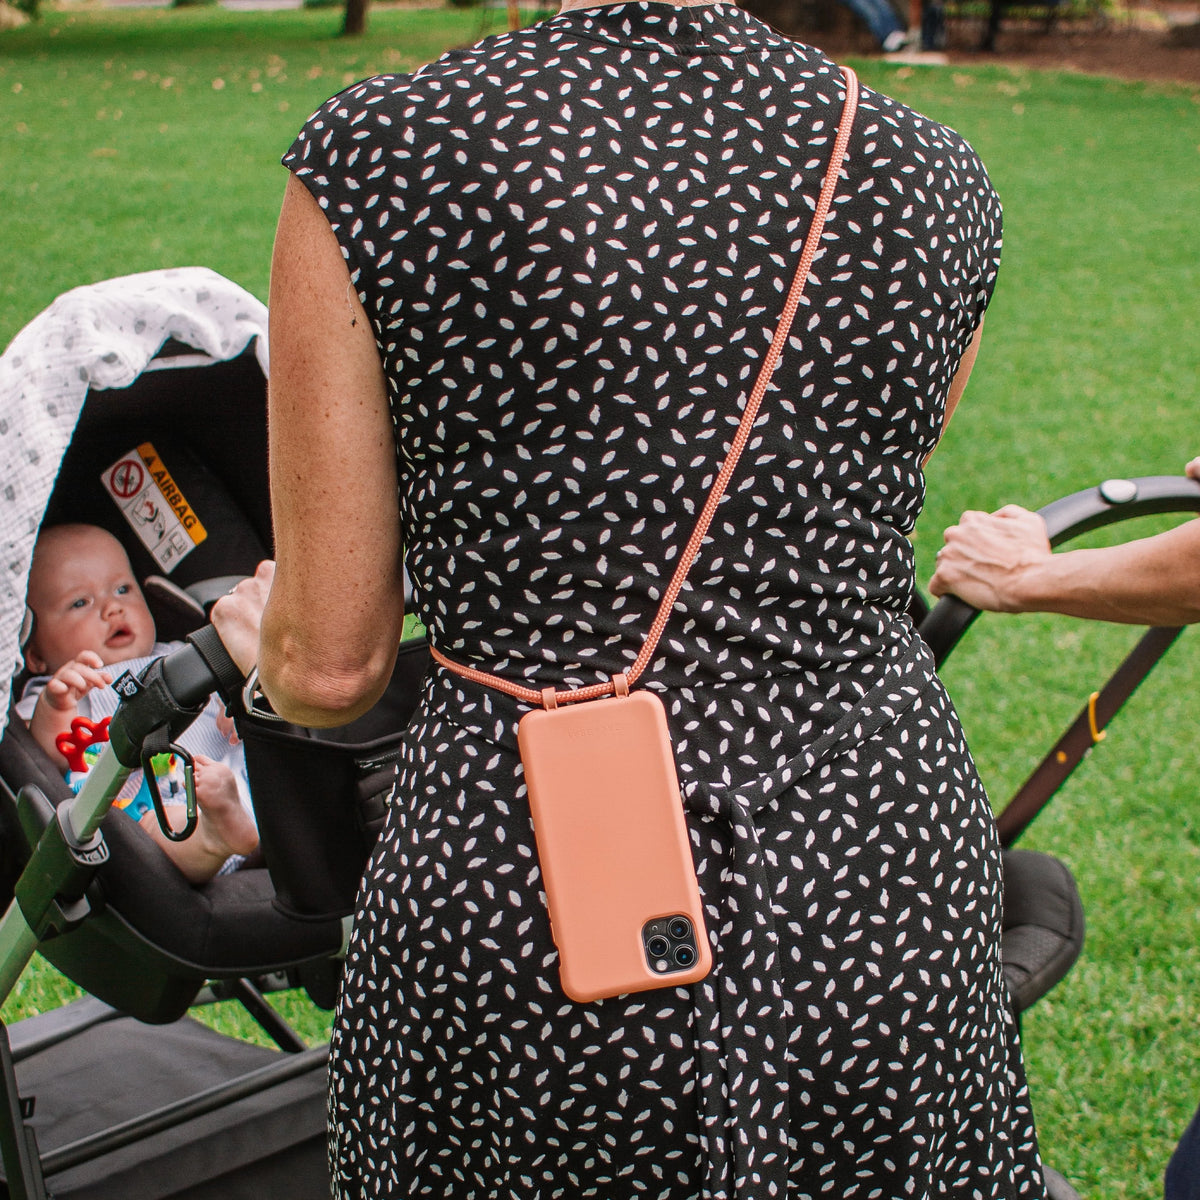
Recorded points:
(74,679)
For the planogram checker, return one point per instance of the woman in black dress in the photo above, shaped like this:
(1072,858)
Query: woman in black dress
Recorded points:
(517,302)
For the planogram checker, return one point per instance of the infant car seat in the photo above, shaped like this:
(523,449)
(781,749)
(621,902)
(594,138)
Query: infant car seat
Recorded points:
(139,405)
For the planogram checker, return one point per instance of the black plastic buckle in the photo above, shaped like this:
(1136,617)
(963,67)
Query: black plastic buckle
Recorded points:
(52,888)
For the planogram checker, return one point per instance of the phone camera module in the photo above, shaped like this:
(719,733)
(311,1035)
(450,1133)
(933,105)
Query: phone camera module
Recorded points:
(670,944)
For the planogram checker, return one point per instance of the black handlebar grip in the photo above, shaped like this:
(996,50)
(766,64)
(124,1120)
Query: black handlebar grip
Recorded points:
(947,621)
(225,675)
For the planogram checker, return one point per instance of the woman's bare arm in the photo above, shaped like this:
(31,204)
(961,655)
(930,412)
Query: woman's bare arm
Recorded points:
(333,618)
(958,384)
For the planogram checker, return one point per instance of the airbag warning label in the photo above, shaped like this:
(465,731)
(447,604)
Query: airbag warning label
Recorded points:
(155,508)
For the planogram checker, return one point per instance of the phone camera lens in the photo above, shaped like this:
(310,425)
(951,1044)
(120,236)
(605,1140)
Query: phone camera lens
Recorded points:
(679,928)
(657,946)
(685,956)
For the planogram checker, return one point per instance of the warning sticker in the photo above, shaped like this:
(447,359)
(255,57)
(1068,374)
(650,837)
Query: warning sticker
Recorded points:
(154,506)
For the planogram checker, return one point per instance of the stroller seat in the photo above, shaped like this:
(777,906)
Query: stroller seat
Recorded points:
(199,406)
(1043,924)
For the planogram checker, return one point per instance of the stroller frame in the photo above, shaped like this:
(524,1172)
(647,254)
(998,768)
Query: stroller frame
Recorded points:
(1108,503)
(53,902)
(51,898)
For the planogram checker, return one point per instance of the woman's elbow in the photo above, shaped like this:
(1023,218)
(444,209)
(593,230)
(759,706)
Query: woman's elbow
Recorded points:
(1188,609)
(320,694)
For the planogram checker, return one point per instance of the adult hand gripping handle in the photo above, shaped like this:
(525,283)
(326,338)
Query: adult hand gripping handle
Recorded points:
(1066,518)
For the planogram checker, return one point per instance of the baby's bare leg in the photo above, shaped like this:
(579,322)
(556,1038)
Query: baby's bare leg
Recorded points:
(223,826)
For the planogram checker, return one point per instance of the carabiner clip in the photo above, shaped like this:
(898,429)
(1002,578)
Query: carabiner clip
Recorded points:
(1098,735)
(152,747)
(251,694)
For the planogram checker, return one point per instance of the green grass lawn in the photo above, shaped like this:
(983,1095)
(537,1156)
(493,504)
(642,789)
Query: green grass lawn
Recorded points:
(141,139)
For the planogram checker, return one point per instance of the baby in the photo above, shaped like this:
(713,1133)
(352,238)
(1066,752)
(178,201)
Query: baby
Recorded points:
(89,614)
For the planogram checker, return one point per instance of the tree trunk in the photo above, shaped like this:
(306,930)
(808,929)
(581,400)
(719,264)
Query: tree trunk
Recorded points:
(355,23)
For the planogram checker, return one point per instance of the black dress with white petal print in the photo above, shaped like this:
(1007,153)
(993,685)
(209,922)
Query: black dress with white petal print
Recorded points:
(573,242)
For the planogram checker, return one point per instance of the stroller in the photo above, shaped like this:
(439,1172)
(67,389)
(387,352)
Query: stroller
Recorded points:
(138,404)
(109,382)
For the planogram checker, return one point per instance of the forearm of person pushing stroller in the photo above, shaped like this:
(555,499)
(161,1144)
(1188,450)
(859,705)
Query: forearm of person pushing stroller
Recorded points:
(1002,562)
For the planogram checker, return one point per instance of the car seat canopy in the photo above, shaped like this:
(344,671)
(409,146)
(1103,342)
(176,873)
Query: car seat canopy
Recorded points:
(96,339)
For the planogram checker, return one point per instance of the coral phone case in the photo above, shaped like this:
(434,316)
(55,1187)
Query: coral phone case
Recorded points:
(613,846)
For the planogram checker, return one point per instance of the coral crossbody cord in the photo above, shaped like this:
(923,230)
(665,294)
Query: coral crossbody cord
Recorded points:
(548,697)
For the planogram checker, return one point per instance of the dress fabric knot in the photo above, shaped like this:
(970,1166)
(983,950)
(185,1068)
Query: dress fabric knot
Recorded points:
(744,1069)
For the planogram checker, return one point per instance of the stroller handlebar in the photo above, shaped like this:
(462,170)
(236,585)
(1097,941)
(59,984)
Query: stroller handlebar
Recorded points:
(219,674)
(1118,500)
(1068,517)
(171,692)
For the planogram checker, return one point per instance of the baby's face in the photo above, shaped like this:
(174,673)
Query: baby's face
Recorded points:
(85,597)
